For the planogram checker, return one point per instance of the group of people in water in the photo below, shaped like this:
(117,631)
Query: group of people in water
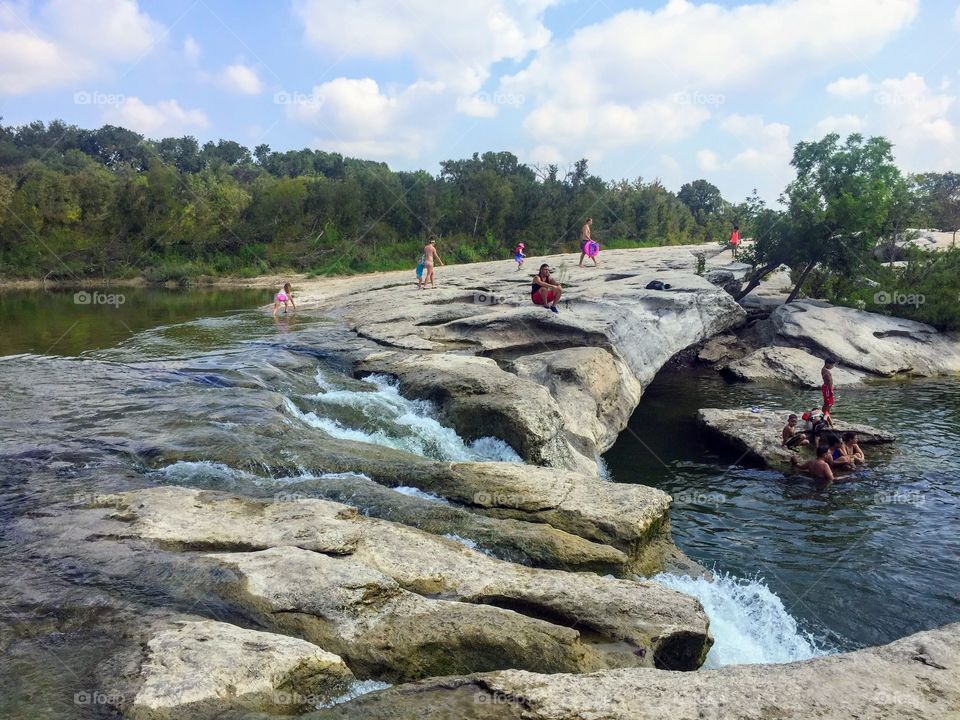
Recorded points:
(834,451)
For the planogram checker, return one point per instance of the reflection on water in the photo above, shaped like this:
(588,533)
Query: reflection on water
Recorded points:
(67,322)
(864,562)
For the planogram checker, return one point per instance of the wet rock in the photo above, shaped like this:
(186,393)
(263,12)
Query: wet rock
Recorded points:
(670,628)
(757,435)
(200,669)
(916,678)
(865,341)
(790,365)
(725,279)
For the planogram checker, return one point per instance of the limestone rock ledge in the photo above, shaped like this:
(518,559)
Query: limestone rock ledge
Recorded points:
(757,435)
(200,668)
(915,678)
(398,603)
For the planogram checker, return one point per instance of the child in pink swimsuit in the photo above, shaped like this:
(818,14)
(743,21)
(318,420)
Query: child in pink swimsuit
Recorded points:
(283,297)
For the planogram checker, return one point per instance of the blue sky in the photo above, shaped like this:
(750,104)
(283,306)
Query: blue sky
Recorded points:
(673,89)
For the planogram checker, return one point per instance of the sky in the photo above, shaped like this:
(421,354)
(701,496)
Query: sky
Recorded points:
(668,89)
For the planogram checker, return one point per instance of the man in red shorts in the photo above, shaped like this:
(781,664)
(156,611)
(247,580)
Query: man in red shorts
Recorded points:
(545,291)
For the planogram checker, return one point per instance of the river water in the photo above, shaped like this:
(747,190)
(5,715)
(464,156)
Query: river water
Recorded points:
(199,389)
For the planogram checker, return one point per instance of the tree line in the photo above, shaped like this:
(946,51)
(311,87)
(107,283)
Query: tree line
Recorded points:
(108,202)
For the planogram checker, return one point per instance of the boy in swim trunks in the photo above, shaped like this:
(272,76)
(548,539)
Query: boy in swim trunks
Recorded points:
(827,387)
(282,298)
(793,438)
(429,255)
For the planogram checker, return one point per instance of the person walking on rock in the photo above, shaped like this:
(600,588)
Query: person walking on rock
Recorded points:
(586,241)
(429,255)
(735,241)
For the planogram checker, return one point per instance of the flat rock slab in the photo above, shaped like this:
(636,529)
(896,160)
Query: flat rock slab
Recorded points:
(876,344)
(916,678)
(405,584)
(198,669)
(794,366)
(757,435)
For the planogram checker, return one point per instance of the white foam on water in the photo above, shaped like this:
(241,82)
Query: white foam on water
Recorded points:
(418,493)
(467,543)
(394,421)
(748,620)
(357,688)
(203,473)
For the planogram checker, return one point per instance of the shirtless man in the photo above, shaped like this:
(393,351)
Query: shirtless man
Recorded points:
(819,468)
(429,255)
(584,239)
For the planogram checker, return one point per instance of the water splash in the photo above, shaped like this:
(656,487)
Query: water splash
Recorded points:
(375,412)
(748,620)
(418,493)
(357,688)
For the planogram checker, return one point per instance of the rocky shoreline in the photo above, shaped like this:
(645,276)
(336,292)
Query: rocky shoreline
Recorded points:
(513,590)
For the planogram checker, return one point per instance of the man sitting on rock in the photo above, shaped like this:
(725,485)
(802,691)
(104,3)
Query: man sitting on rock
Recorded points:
(793,438)
(819,468)
(545,291)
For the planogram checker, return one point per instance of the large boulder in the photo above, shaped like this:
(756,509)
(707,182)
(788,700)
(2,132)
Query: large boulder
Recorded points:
(757,435)
(199,669)
(916,678)
(876,344)
(789,365)
(409,571)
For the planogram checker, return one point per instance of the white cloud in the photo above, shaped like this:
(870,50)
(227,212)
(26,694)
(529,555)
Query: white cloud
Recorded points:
(114,29)
(355,117)
(164,119)
(241,79)
(923,124)
(840,124)
(68,41)
(476,106)
(956,18)
(191,49)
(850,87)
(708,160)
(693,54)
(769,147)
(452,42)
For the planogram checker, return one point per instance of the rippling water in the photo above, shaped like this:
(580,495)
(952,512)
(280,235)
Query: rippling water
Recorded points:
(859,563)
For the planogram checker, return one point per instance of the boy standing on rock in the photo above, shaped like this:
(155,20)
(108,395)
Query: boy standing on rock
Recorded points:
(827,387)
